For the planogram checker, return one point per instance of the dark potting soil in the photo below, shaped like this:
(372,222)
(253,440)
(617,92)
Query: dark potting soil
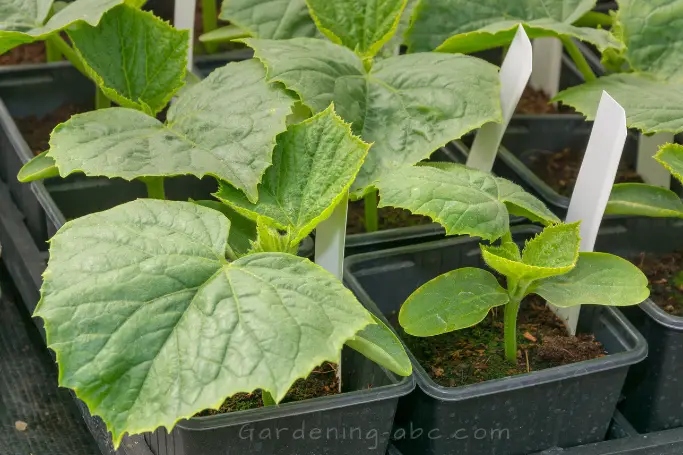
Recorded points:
(560,170)
(538,102)
(26,53)
(321,382)
(477,354)
(36,130)
(388,218)
(665,274)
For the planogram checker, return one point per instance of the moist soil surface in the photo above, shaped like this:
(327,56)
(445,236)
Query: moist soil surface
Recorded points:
(477,354)
(36,130)
(665,274)
(388,218)
(561,169)
(538,102)
(321,382)
(26,53)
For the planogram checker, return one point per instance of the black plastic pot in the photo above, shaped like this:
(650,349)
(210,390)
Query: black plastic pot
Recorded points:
(558,407)
(653,394)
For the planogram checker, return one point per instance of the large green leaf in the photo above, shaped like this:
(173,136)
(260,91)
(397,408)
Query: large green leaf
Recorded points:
(314,164)
(225,126)
(22,21)
(270,19)
(652,92)
(363,26)
(151,324)
(378,343)
(452,301)
(407,106)
(151,57)
(473,25)
(597,279)
(463,200)
(671,157)
(552,252)
(644,200)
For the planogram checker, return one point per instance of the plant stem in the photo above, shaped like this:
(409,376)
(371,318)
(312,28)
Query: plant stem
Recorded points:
(101,100)
(371,216)
(593,19)
(511,310)
(267,398)
(155,187)
(62,46)
(210,22)
(578,59)
(52,52)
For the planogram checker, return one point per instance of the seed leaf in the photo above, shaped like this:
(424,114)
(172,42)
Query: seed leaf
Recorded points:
(644,200)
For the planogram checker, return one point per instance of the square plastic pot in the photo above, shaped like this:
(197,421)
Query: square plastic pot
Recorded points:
(564,406)
(653,396)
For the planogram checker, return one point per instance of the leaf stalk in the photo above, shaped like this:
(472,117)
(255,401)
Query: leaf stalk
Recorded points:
(578,58)
(371,214)
(210,22)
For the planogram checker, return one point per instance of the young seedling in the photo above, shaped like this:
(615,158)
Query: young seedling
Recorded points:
(466,26)
(646,64)
(550,266)
(154,310)
(407,106)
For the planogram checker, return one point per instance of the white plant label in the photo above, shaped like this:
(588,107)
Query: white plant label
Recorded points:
(547,66)
(595,181)
(647,167)
(514,76)
(183,19)
(330,240)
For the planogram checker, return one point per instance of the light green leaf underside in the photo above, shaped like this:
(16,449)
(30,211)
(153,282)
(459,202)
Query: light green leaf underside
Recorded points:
(463,200)
(651,105)
(363,26)
(21,21)
(314,164)
(597,279)
(671,157)
(138,60)
(225,126)
(552,252)
(150,323)
(473,25)
(406,106)
(39,167)
(242,229)
(378,343)
(644,200)
(270,19)
(224,34)
(653,37)
(452,301)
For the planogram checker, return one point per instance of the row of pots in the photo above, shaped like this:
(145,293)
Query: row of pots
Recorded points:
(564,406)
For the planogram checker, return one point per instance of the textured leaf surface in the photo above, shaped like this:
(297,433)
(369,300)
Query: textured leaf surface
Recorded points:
(473,25)
(361,25)
(463,200)
(452,301)
(242,229)
(151,324)
(224,126)
(22,21)
(644,200)
(597,279)
(138,60)
(270,19)
(378,343)
(552,252)
(521,203)
(314,164)
(407,106)
(671,157)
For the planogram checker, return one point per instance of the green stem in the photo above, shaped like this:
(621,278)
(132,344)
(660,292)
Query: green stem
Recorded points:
(578,59)
(101,100)
(267,398)
(52,52)
(155,187)
(511,310)
(371,216)
(68,52)
(593,19)
(210,22)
